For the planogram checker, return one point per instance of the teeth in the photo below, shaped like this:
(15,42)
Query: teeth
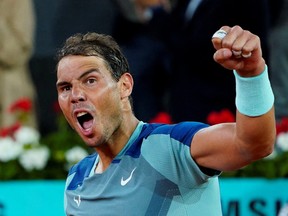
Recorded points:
(81,114)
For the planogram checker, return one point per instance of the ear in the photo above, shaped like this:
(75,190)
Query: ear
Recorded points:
(126,85)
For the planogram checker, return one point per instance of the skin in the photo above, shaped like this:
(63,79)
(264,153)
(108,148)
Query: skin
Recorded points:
(85,85)
(231,146)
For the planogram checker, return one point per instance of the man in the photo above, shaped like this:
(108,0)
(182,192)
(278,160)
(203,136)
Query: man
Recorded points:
(157,169)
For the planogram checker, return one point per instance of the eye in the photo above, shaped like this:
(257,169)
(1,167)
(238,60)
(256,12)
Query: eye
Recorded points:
(65,88)
(91,81)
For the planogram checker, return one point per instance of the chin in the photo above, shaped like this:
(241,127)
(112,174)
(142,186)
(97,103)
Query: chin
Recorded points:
(91,142)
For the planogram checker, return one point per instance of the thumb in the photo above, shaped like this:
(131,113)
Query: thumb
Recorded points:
(222,55)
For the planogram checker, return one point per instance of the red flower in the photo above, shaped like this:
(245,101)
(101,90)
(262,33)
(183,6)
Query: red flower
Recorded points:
(161,117)
(223,116)
(23,104)
(282,126)
(9,131)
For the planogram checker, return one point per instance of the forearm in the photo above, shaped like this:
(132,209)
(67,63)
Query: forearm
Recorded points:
(230,146)
(255,120)
(256,135)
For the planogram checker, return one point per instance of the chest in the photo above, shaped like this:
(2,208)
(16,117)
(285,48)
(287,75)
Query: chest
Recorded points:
(129,187)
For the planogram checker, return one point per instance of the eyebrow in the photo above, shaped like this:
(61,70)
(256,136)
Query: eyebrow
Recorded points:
(58,84)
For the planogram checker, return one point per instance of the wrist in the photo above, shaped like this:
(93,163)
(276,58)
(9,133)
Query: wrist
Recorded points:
(254,95)
(261,66)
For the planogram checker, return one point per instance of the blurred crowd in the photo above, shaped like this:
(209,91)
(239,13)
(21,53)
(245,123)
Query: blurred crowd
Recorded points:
(167,43)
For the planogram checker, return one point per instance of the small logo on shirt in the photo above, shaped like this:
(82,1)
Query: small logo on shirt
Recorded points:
(77,199)
(124,182)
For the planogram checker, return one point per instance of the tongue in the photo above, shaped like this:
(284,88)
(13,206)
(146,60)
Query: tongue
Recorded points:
(87,124)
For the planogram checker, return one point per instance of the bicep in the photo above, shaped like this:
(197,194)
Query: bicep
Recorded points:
(217,148)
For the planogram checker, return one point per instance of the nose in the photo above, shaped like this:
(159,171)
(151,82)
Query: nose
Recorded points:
(77,94)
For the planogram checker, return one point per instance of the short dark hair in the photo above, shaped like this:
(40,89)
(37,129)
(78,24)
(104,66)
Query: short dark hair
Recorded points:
(100,45)
(94,44)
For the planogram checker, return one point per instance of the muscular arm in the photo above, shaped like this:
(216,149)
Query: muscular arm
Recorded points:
(231,146)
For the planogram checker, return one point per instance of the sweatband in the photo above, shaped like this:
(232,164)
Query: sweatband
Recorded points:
(254,95)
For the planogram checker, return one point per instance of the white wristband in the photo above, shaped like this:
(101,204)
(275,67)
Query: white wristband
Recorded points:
(254,95)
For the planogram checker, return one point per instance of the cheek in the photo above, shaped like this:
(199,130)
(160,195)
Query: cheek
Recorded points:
(64,107)
(67,116)
(115,110)
(63,97)
(109,107)
(107,98)
(111,101)
(61,103)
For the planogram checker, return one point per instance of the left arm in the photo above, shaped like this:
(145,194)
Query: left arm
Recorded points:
(230,146)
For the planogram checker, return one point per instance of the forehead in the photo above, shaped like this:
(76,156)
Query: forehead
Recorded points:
(75,65)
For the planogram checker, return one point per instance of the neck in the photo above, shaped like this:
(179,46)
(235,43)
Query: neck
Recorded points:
(110,150)
(99,167)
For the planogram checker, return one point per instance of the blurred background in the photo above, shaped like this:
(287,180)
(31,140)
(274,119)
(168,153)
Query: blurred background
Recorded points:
(168,46)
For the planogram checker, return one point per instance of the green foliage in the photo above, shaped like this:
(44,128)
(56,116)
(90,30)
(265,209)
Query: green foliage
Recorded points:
(266,168)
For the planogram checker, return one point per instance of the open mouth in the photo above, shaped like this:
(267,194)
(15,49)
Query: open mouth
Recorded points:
(85,119)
